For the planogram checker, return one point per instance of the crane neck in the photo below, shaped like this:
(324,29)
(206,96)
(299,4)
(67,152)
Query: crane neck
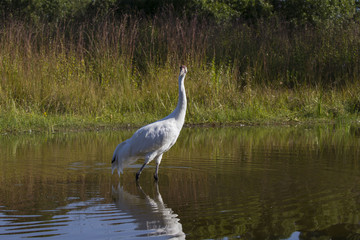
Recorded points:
(180,110)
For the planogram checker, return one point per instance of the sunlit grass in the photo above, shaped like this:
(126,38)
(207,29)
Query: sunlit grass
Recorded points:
(120,72)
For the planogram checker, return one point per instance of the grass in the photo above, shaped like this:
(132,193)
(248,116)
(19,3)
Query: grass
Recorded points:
(119,72)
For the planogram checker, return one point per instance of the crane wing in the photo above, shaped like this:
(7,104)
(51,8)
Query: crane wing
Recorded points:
(158,136)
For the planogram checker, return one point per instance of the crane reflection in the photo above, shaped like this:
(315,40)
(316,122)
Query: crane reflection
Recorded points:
(152,217)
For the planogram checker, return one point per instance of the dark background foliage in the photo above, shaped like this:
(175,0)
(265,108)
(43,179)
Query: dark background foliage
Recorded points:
(298,12)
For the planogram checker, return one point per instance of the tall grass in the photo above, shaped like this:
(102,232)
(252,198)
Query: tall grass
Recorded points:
(117,71)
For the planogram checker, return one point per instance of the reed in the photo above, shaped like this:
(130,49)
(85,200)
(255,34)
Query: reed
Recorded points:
(120,71)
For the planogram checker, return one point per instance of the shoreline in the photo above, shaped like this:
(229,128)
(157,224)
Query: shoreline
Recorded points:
(91,127)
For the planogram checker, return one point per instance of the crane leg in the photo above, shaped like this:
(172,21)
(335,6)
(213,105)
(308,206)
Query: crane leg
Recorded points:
(147,160)
(139,172)
(158,161)
(156,172)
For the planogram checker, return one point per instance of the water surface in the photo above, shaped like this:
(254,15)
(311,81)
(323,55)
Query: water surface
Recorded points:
(215,183)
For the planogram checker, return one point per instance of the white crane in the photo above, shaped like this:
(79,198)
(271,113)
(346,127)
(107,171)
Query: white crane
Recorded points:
(151,141)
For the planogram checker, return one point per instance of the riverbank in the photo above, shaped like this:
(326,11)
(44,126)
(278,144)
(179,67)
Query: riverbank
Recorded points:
(251,107)
(117,72)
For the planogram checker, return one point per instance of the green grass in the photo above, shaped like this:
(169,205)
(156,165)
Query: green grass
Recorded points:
(255,106)
(121,72)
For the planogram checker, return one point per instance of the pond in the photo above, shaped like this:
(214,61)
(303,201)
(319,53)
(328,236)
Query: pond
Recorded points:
(277,182)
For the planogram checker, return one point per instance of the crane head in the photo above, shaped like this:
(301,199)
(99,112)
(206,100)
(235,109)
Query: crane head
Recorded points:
(183,70)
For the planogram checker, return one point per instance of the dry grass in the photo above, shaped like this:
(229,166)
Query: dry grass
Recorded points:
(125,71)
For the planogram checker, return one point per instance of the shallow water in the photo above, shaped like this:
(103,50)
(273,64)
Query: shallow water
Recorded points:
(215,183)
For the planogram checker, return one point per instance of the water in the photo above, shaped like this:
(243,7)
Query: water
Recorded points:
(215,183)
